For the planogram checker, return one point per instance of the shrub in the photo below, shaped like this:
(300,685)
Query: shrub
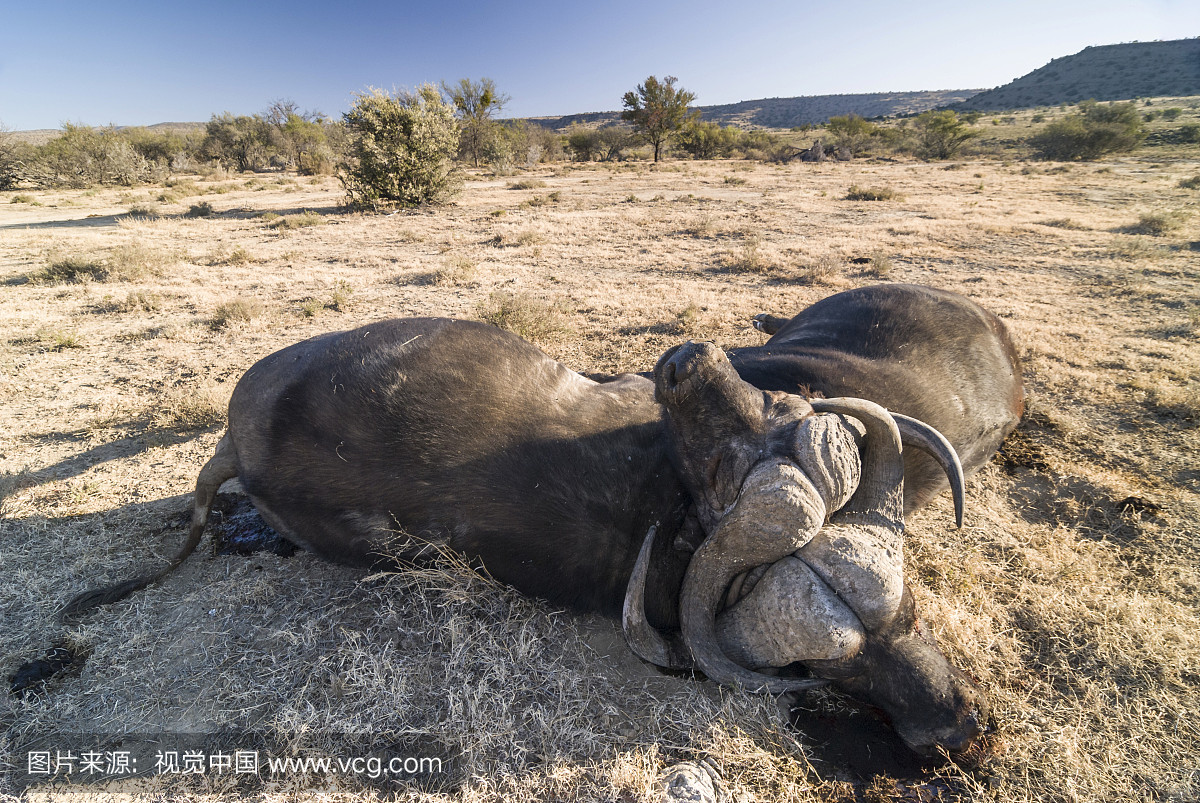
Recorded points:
(1192,183)
(1093,132)
(857,193)
(1159,223)
(83,156)
(400,149)
(583,143)
(851,132)
(941,135)
(14,158)
(607,144)
(530,143)
(202,209)
(238,142)
(708,140)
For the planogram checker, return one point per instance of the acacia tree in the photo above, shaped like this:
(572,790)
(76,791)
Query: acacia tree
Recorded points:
(475,103)
(657,110)
(942,134)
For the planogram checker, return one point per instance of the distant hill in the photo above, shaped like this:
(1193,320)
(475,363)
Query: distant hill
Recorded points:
(1105,72)
(790,112)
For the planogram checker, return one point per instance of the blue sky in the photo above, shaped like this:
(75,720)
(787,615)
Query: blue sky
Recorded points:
(136,63)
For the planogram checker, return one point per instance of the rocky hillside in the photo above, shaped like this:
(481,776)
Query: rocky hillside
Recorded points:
(1107,72)
(790,112)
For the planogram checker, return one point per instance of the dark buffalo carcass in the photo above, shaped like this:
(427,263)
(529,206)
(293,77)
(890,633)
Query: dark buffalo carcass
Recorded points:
(930,354)
(380,443)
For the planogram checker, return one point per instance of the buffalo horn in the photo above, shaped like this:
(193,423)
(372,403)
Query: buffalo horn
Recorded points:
(645,641)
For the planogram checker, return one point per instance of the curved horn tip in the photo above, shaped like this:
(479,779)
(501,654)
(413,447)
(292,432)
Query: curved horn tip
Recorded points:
(915,432)
(645,641)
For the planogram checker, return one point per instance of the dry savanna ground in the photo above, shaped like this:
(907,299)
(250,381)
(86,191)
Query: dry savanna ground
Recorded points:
(1071,594)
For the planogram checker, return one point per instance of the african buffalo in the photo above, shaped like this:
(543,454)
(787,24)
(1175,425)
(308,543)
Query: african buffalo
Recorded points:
(764,527)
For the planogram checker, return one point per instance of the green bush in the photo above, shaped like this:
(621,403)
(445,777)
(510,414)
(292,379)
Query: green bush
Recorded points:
(941,134)
(583,143)
(238,142)
(1091,133)
(851,132)
(708,140)
(400,149)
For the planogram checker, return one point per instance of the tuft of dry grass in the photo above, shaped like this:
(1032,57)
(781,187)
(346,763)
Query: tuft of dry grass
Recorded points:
(237,311)
(287,223)
(859,193)
(821,269)
(1159,223)
(130,261)
(1065,223)
(750,256)
(532,318)
(202,209)
(191,409)
(458,271)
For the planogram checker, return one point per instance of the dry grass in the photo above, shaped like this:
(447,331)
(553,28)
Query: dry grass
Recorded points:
(1073,594)
(1160,223)
(857,193)
(535,319)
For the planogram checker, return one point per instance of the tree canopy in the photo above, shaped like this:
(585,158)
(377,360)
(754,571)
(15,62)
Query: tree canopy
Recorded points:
(657,110)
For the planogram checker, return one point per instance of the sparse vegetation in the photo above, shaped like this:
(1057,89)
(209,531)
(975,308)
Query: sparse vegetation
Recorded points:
(748,257)
(292,222)
(821,269)
(858,193)
(456,272)
(1096,130)
(527,184)
(1160,223)
(237,311)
